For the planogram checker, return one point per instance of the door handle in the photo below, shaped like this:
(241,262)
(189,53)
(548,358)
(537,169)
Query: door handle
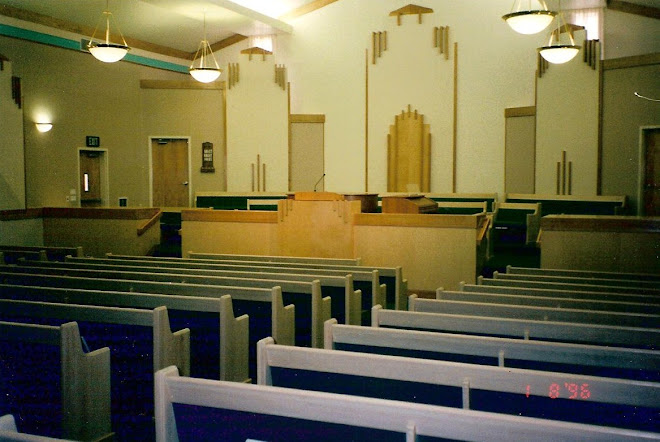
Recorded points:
(185,183)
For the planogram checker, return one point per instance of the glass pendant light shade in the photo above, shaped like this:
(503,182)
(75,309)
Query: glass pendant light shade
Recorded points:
(204,67)
(559,54)
(529,21)
(555,51)
(205,75)
(108,53)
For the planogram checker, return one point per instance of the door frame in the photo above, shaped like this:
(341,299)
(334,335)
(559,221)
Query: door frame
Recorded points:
(105,181)
(151,165)
(642,166)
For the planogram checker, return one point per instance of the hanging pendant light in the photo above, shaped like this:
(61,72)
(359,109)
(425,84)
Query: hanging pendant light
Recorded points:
(204,67)
(557,52)
(107,51)
(529,21)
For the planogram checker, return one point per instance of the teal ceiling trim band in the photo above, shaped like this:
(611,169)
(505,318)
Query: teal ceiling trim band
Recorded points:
(39,37)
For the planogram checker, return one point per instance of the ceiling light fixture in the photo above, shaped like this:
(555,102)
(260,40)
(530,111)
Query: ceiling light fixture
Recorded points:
(529,21)
(556,52)
(107,51)
(204,67)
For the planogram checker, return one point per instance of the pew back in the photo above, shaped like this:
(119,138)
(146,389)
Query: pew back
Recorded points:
(231,411)
(84,407)
(454,384)
(583,274)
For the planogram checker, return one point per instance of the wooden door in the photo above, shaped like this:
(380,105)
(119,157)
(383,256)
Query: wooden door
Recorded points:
(90,178)
(519,149)
(652,172)
(170,173)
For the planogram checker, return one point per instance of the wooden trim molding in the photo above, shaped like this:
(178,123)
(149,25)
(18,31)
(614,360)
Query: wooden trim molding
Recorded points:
(307,118)
(229,216)
(236,38)
(181,84)
(100,213)
(526,111)
(18,214)
(631,62)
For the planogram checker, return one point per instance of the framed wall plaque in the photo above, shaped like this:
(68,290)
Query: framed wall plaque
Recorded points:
(207,158)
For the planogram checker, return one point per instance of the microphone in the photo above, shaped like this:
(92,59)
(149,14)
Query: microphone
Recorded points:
(317,183)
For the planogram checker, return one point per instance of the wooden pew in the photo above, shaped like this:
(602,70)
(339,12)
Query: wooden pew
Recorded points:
(461,207)
(630,404)
(291,259)
(392,277)
(595,360)
(566,302)
(231,411)
(564,286)
(572,204)
(51,253)
(597,334)
(218,341)
(311,307)
(342,293)
(651,287)
(280,319)
(78,409)
(534,313)
(141,342)
(511,220)
(559,292)
(584,274)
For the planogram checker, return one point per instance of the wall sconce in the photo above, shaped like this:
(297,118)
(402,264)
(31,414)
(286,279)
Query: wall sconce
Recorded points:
(43,127)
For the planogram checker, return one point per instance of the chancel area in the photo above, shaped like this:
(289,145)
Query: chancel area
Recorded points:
(329,220)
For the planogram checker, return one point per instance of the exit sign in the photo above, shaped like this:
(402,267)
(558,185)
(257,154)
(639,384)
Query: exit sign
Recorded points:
(91,141)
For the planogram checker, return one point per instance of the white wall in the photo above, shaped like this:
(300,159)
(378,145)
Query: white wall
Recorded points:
(325,59)
(629,34)
(257,124)
(567,120)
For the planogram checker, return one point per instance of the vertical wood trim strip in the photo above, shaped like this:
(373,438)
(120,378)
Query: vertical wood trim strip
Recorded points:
(558,174)
(264,176)
(455,123)
(366,120)
(385,40)
(258,173)
(599,159)
(435,36)
(380,44)
(563,172)
(288,105)
(446,38)
(570,177)
(252,167)
(373,48)
(224,134)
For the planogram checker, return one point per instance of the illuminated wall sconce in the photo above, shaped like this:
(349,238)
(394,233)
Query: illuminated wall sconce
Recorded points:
(43,127)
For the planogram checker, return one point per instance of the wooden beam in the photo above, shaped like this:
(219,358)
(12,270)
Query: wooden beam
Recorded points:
(225,43)
(307,118)
(633,8)
(526,111)
(306,9)
(633,61)
(63,25)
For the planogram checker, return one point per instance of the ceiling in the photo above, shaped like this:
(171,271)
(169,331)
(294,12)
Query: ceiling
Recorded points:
(169,27)
(175,27)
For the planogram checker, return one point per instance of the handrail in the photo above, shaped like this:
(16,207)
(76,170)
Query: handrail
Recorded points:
(147,225)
